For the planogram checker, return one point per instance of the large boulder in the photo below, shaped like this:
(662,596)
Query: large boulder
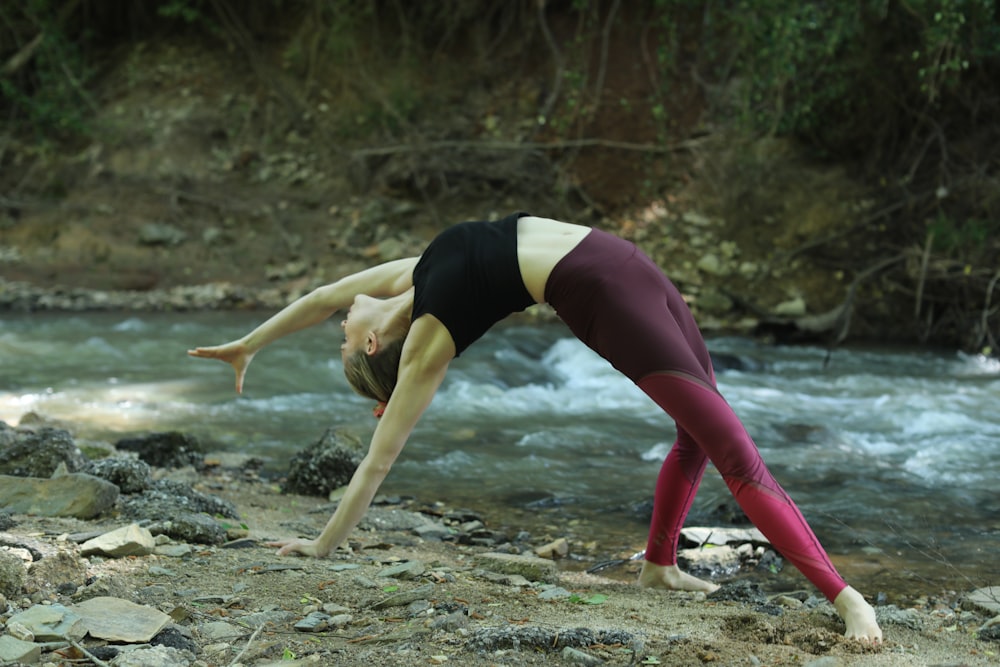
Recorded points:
(76,494)
(325,465)
(37,453)
(129,475)
(179,511)
(171,449)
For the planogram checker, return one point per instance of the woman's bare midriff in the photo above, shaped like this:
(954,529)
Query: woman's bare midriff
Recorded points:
(541,243)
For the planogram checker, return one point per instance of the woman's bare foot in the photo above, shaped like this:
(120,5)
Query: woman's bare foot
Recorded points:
(671,578)
(859,617)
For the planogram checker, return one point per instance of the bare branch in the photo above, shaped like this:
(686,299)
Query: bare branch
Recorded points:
(23,56)
(528,146)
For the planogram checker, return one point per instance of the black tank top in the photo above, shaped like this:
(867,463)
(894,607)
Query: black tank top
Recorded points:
(469,278)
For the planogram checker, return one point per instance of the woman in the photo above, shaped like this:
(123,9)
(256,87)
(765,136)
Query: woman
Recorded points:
(409,318)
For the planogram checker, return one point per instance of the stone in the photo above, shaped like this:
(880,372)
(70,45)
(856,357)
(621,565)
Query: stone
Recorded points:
(161,234)
(129,475)
(14,651)
(408,570)
(556,549)
(257,619)
(170,449)
(217,631)
(892,615)
(505,579)
(986,600)
(38,452)
(325,465)
(74,495)
(529,567)
(153,656)
(12,574)
(406,597)
(175,636)
(697,536)
(795,307)
(118,620)
(825,661)
(173,550)
(58,569)
(378,518)
(317,621)
(340,620)
(577,657)
(50,623)
(433,531)
(130,540)
(554,593)
(18,631)
(191,527)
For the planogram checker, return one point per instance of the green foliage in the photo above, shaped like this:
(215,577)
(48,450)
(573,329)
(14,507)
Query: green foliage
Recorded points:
(48,91)
(951,234)
(188,11)
(804,65)
(794,60)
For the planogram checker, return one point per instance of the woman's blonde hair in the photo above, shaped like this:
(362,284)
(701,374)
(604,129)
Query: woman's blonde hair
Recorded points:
(374,375)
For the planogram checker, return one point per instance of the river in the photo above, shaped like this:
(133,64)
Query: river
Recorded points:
(893,455)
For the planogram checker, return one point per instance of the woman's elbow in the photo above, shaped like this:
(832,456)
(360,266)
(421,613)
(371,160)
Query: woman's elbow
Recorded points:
(376,468)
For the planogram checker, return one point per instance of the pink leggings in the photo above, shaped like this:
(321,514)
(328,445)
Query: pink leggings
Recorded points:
(618,302)
(708,429)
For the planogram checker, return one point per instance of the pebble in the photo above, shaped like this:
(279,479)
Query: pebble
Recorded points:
(529,567)
(405,598)
(578,657)
(317,621)
(556,549)
(554,593)
(408,570)
(217,631)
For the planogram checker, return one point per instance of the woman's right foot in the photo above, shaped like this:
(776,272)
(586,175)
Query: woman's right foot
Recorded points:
(859,617)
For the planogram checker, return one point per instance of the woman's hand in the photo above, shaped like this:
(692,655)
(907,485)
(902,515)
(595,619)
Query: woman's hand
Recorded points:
(304,547)
(235,354)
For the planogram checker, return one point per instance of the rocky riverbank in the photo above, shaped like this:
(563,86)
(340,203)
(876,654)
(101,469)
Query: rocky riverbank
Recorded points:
(154,555)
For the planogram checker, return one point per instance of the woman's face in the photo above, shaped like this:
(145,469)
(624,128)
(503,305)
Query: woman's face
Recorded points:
(358,326)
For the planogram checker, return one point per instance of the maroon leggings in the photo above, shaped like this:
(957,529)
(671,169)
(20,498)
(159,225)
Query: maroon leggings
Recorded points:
(618,302)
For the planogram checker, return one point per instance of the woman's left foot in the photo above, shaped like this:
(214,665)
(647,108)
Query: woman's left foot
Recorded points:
(671,578)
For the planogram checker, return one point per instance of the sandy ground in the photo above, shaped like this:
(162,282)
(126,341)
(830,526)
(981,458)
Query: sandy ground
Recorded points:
(462,616)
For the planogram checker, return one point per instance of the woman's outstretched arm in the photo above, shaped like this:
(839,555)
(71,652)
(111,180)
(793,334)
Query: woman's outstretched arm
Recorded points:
(387,279)
(426,355)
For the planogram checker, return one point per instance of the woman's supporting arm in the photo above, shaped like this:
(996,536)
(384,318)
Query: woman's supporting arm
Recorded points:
(426,355)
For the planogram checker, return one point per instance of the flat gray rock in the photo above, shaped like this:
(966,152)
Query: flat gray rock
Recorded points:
(985,599)
(15,651)
(51,623)
(118,620)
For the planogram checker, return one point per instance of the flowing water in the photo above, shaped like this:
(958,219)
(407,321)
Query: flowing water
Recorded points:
(891,454)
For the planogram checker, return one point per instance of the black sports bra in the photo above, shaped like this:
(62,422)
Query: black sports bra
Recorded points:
(469,278)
